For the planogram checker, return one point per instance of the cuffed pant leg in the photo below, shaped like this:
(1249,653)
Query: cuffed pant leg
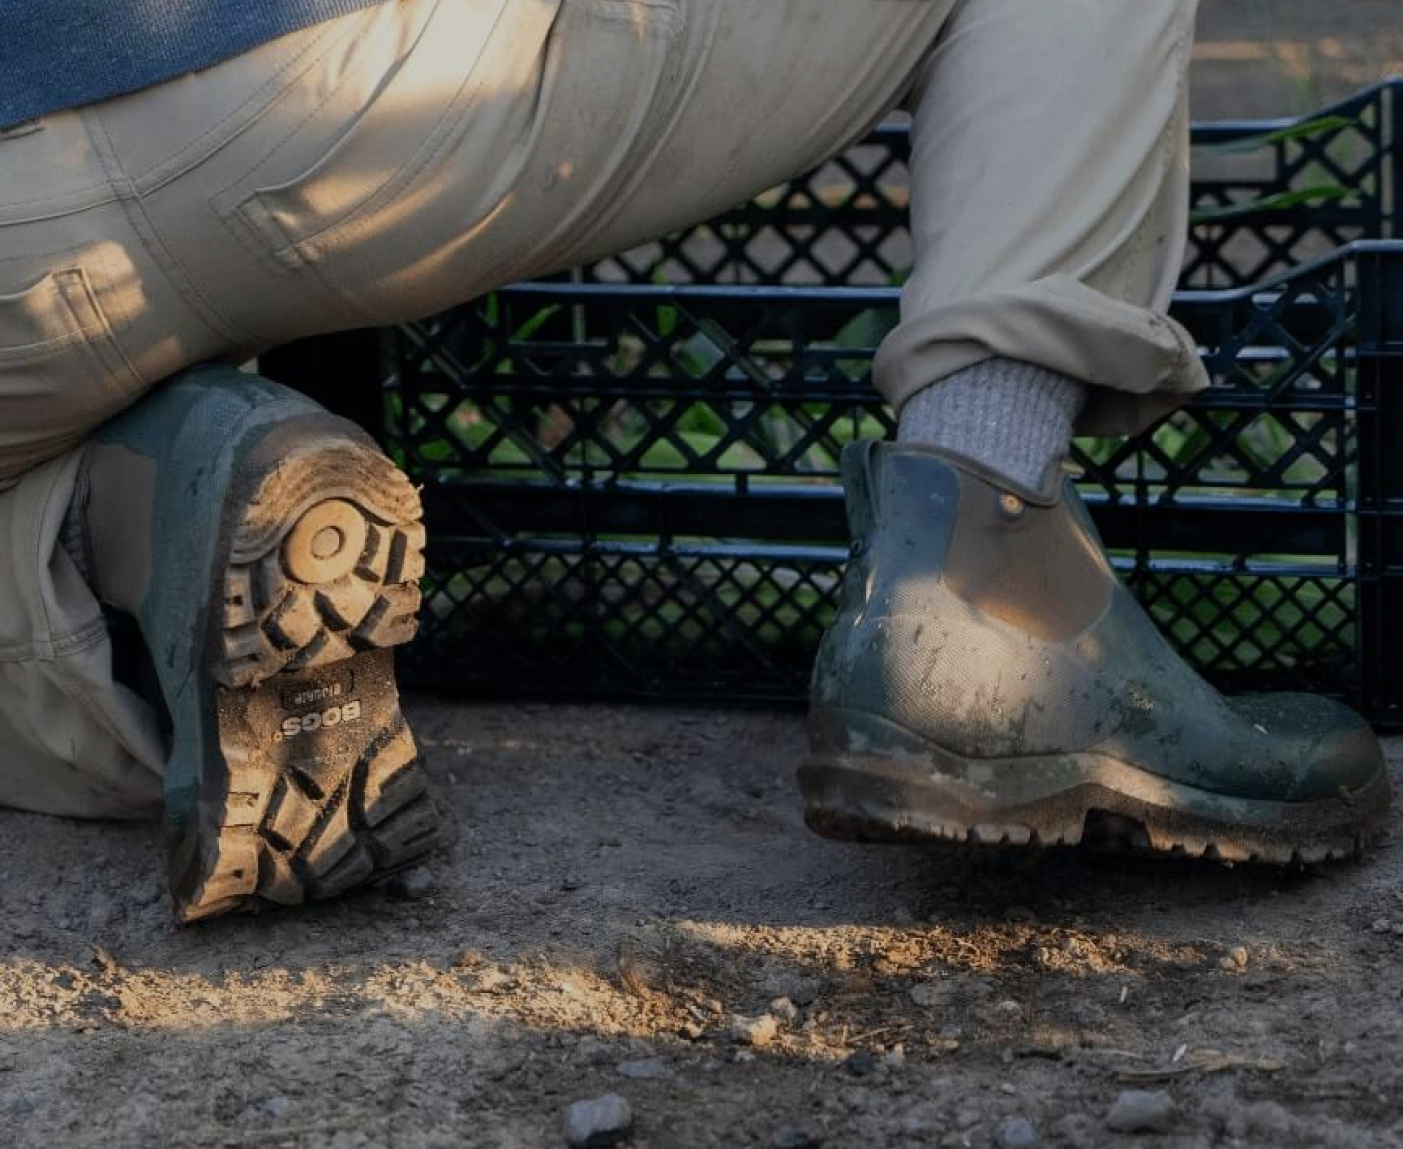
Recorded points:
(73,741)
(1050,203)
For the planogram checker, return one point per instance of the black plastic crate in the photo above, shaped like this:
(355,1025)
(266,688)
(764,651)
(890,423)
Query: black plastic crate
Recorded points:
(631,488)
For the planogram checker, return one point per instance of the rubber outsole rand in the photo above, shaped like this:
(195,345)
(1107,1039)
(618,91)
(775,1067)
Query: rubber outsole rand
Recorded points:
(871,799)
(315,785)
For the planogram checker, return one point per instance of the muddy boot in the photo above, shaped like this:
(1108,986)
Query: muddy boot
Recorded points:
(269,553)
(989,679)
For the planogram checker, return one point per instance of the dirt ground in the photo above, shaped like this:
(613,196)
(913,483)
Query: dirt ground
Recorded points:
(629,890)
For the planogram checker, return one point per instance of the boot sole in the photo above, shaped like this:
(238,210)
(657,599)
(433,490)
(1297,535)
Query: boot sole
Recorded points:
(315,786)
(1073,800)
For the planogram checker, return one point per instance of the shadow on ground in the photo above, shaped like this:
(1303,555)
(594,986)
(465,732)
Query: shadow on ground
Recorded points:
(630,895)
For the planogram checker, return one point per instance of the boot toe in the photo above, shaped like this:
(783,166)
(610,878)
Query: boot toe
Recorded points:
(1334,749)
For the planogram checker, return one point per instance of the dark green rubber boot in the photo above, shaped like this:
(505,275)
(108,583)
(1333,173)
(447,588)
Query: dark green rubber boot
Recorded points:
(989,679)
(270,554)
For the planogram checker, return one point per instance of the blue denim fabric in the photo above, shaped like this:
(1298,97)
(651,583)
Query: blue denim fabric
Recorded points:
(58,54)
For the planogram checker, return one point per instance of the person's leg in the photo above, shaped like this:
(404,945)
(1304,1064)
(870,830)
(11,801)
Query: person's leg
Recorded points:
(73,740)
(267,552)
(988,678)
(1049,178)
(407,157)
(87,323)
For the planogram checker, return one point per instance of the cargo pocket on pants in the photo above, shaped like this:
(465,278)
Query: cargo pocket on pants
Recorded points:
(402,90)
(61,371)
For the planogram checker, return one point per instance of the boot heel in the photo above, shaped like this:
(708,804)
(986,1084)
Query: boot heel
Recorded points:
(317,786)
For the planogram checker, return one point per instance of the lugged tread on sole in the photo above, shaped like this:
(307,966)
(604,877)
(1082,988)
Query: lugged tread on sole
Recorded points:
(317,786)
(274,622)
(833,811)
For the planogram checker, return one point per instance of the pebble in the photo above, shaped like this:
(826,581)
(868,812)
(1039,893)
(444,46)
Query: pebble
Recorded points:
(756,1031)
(1235,958)
(784,1009)
(799,988)
(413,885)
(861,1062)
(1143,1111)
(276,1107)
(597,1123)
(795,1137)
(644,1069)
(1015,1133)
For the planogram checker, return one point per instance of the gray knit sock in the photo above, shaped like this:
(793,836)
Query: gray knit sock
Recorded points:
(1012,417)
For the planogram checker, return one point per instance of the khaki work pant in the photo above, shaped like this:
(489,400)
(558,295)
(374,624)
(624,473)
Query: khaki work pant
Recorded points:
(416,154)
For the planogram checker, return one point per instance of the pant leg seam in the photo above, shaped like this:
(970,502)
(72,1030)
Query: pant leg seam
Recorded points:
(134,208)
(54,649)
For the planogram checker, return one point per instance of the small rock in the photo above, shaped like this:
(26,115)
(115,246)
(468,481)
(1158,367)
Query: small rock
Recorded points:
(1381,926)
(756,1031)
(861,1062)
(413,885)
(276,1107)
(784,1009)
(690,1031)
(967,1118)
(1235,958)
(895,1058)
(470,958)
(1015,1133)
(593,1124)
(795,1137)
(799,988)
(644,1069)
(1142,1111)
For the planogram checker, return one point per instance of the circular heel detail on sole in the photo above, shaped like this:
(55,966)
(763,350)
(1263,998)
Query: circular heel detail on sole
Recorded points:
(326,543)
(324,563)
